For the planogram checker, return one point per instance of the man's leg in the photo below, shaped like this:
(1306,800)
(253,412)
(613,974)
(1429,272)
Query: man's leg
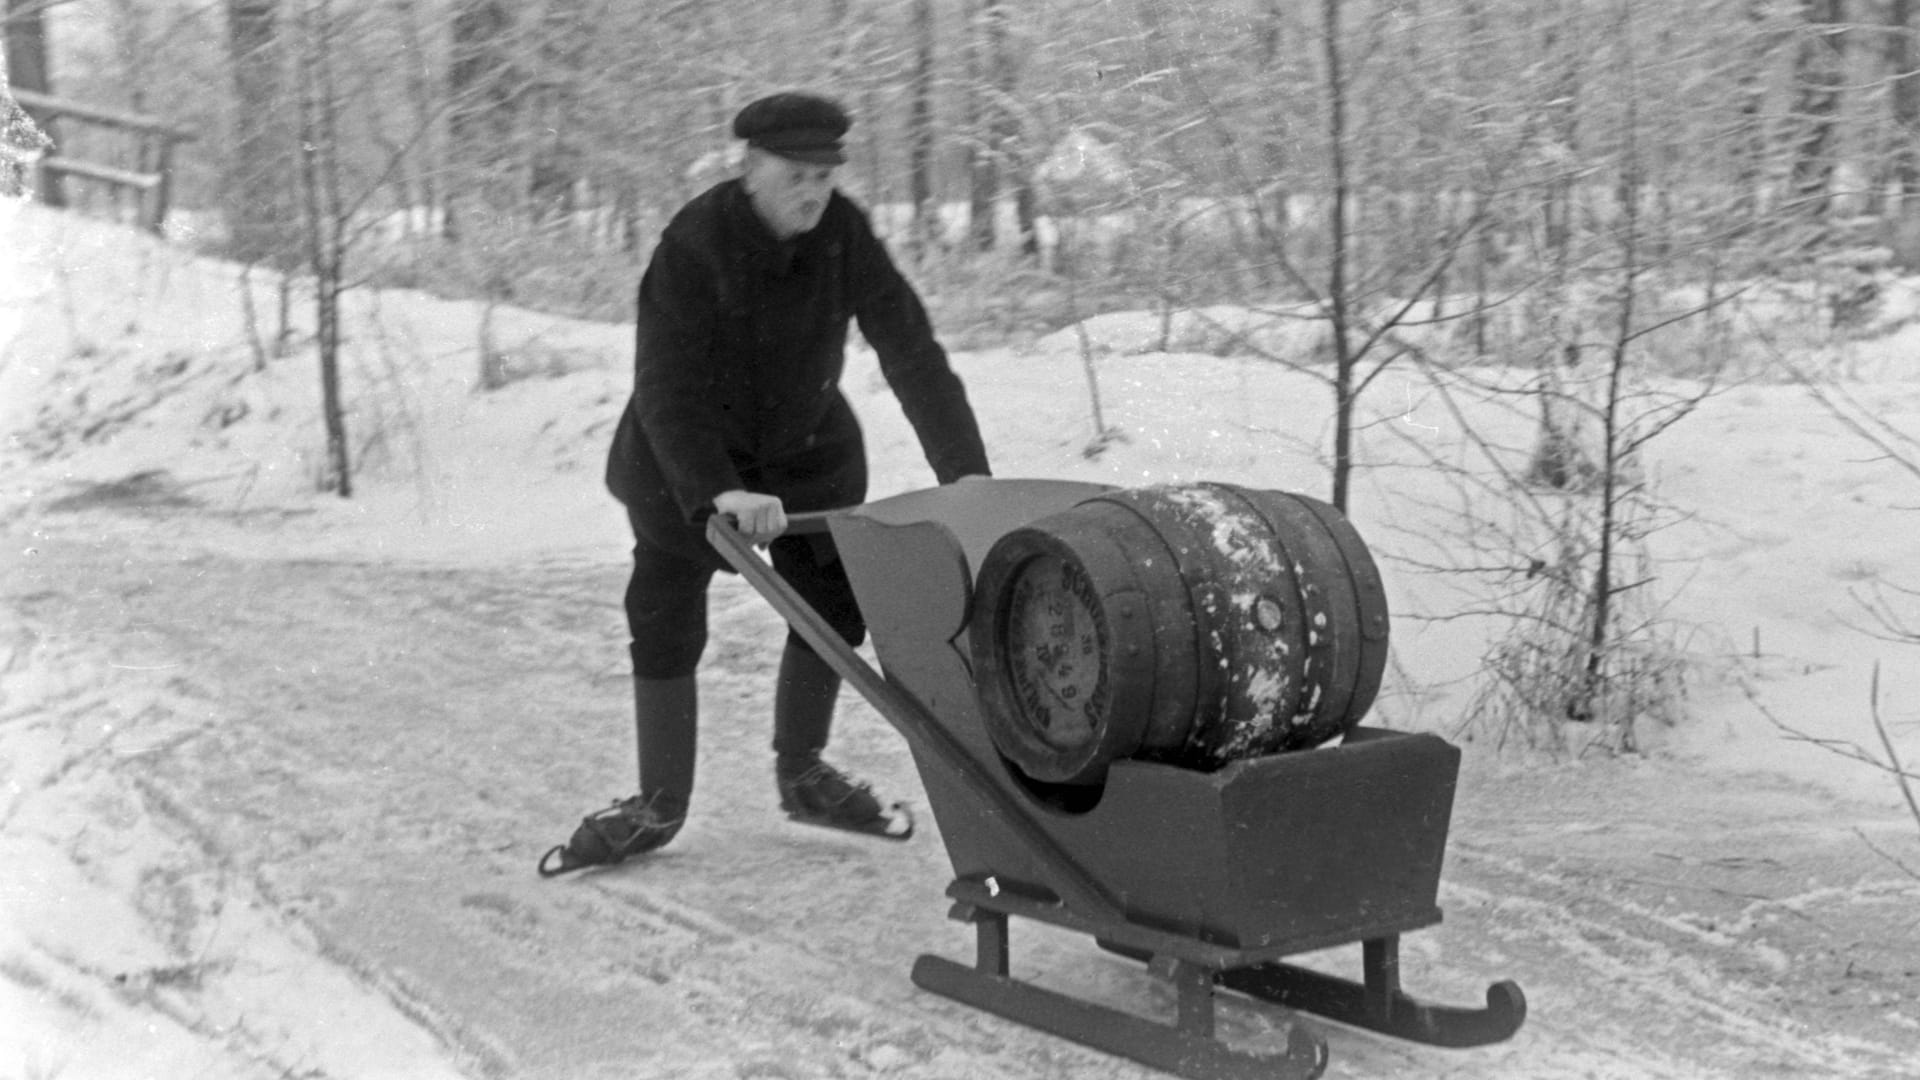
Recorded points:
(666,737)
(666,606)
(808,687)
(803,702)
(805,695)
(667,615)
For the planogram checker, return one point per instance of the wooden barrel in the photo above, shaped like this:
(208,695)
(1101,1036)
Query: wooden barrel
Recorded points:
(1195,624)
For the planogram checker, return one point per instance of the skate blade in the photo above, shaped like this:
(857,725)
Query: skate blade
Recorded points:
(894,823)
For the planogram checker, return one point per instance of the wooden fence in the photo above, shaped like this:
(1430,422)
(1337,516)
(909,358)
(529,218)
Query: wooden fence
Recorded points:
(151,184)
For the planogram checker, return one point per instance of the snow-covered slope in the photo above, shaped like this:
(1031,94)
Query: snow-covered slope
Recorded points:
(138,421)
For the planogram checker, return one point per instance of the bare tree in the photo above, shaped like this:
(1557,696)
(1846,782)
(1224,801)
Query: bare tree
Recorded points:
(261,175)
(325,217)
(1903,68)
(481,92)
(336,183)
(1580,662)
(1338,300)
(1353,271)
(995,161)
(1820,73)
(258,201)
(982,150)
(920,133)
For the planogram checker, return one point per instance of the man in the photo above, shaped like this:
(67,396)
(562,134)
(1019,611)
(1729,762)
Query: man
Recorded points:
(736,410)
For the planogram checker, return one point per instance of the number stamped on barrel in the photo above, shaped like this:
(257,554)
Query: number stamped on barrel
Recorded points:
(1056,649)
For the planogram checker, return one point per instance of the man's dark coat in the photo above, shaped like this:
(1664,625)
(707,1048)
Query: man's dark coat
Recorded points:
(738,361)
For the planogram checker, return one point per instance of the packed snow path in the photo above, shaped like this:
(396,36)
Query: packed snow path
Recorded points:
(370,757)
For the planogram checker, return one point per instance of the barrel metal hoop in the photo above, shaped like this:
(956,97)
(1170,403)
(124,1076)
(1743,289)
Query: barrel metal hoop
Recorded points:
(1328,593)
(1178,684)
(1370,595)
(1207,691)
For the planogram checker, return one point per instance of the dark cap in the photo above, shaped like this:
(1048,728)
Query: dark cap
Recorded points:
(798,126)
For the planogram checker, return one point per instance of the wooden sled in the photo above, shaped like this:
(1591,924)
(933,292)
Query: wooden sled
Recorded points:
(1213,876)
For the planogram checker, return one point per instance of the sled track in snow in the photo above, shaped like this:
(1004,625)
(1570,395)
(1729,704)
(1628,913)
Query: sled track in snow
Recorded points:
(385,750)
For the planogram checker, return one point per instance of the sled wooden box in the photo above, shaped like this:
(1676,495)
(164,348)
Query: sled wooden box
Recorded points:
(1292,851)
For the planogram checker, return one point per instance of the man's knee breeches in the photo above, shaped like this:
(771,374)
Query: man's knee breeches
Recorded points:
(667,601)
(666,613)
(811,564)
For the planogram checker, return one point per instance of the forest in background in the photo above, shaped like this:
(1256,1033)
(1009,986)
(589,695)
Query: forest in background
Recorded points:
(1542,185)
(1024,156)
(1615,207)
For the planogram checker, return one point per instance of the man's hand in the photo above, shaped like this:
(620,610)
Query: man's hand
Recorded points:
(760,518)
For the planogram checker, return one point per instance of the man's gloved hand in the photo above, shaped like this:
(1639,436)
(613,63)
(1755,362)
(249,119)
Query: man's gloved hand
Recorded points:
(760,518)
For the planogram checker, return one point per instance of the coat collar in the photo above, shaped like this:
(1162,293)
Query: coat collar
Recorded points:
(743,221)
(757,242)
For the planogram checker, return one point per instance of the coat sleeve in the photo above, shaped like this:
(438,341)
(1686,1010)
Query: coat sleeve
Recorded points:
(674,384)
(931,395)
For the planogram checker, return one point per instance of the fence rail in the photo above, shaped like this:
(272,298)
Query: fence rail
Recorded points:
(156,139)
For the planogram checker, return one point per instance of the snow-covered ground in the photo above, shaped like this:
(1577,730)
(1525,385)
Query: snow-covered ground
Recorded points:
(277,765)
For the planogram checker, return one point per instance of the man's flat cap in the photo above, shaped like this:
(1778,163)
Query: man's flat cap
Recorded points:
(803,127)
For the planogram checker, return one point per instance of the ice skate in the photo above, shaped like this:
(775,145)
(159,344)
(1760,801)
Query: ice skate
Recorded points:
(632,826)
(815,793)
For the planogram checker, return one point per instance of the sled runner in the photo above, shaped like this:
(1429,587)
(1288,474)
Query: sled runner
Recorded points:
(1213,874)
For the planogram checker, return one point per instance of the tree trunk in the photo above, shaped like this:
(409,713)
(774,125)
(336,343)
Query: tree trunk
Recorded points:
(983,108)
(920,129)
(260,179)
(1818,70)
(1629,186)
(1026,212)
(28,69)
(1338,236)
(1563,47)
(556,170)
(1902,60)
(1559,460)
(325,227)
(1753,145)
(422,188)
(480,118)
(1009,154)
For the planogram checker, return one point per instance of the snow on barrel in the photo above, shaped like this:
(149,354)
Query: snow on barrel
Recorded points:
(1194,625)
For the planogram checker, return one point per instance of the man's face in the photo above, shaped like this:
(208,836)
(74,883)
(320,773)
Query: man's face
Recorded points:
(788,195)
